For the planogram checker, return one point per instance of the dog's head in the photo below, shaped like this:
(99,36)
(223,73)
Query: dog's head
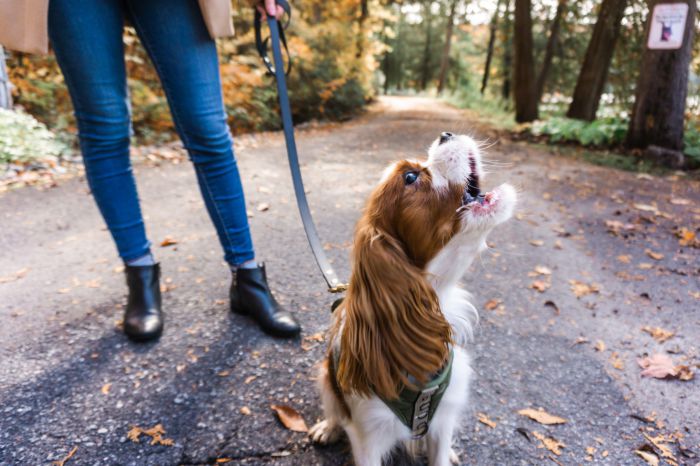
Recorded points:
(393,327)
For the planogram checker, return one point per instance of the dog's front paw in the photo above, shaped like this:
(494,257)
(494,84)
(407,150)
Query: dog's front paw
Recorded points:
(454,459)
(325,432)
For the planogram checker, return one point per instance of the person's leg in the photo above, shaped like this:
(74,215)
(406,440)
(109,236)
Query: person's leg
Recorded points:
(174,34)
(87,40)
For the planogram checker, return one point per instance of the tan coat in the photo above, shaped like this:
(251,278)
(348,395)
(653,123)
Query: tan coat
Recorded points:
(24,23)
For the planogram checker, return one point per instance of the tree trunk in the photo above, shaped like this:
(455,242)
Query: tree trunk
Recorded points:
(5,86)
(507,53)
(425,63)
(489,51)
(549,50)
(599,54)
(361,33)
(444,63)
(662,88)
(524,73)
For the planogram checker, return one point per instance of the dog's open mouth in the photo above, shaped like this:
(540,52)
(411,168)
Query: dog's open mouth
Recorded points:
(472,192)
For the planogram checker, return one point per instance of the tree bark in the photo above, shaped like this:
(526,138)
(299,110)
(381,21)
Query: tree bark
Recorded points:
(5,86)
(425,62)
(361,33)
(445,62)
(599,54)
(524,73)
(489,51)
(507,53)
(549,50)
(662,88)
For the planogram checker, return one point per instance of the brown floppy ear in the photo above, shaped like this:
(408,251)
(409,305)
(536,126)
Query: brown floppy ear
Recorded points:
(392,326)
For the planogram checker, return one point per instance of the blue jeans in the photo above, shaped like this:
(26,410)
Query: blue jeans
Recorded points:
(87,38)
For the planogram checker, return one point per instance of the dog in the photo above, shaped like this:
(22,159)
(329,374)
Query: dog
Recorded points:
(397,370)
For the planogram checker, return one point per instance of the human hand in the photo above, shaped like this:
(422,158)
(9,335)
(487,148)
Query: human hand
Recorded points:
(269,7)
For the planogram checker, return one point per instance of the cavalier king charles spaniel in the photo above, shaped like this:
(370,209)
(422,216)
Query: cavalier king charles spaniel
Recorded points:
(397,370)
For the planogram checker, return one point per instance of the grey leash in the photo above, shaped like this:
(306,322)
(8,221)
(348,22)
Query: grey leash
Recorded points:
(277,70)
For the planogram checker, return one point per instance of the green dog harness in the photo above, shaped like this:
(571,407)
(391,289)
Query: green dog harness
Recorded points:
(415,408)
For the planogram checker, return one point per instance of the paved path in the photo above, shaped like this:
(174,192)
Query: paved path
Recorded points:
(68,377)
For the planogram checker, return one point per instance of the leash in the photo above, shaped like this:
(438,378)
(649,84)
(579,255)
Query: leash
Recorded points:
(276,38)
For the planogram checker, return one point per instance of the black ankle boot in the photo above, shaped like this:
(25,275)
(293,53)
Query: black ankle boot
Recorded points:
(143,319)
(251,296)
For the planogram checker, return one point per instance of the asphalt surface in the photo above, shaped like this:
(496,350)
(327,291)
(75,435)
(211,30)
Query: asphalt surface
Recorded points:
(69,378)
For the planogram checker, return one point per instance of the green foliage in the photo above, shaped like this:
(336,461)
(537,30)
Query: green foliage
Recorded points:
(23,138)
(603,132)
(692,144)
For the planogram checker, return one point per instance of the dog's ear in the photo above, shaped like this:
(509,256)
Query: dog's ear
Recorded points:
(392,325)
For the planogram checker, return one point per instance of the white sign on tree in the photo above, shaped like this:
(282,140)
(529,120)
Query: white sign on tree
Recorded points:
(667,26)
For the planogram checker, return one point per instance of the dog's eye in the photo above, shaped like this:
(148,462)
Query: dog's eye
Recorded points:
(410,177)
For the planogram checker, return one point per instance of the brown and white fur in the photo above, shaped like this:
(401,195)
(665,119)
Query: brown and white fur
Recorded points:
(404,307)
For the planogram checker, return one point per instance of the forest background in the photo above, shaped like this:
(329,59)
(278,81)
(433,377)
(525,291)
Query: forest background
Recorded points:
(518,63)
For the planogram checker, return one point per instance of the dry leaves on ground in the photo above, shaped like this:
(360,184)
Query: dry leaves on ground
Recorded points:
(156,433)
(657,256)
(263,206)
(65,458)
(687,237)
(541,416)
(658,334)
(661,366)
(549,443)
(536,242)
(168,241)
(599,346)
(582,289)
(290,418)
(15,276)
(484,419)
(540,285)
(492,304)
(650,458)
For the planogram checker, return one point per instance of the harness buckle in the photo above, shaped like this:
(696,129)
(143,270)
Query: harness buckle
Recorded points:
(421,412)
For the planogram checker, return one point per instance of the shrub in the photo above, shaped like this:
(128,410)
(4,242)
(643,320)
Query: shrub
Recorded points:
(23,139)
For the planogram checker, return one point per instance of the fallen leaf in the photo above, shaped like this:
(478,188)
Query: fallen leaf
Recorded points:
(624,258)
(616,361)
(582,289)
(579,341)
(224,373)
(542,417)
(680,201)
(650,458)
(687,237)
(168,241)
(483,418)
(65,458)
(549,443)
(654,255)
(647,208)
(645,266)
(290,418)
(263,206)
(616,226)
(492,304)
(660,443)
(553,305)
(156,433)
(249,379)
(540,285)
(542,270)
(658,333)
(245,411)
(223,460)
(599,346)
(105,388)
(536,242)
(660,366)
(15,276)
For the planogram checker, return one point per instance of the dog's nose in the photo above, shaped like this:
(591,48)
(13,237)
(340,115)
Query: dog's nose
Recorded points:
(445,136)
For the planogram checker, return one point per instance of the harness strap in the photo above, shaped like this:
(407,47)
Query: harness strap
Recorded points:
(414,408)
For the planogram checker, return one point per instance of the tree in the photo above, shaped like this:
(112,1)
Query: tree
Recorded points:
(658,116)
(5,86)
(594,72)
(489,51)
(507,53)
(425,61)
(444,63)
(549,49)
(524,72)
